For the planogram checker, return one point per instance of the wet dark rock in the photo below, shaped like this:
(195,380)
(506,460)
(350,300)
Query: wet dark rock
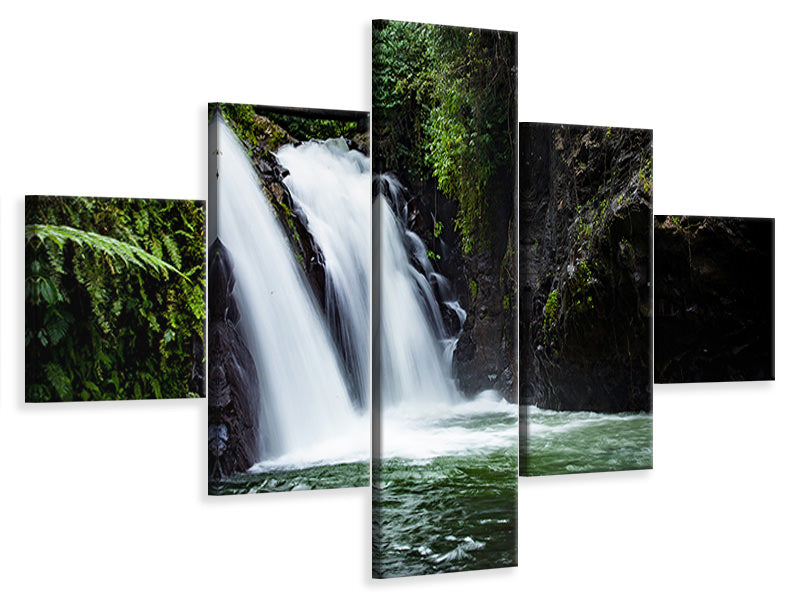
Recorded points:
(220,270)
(466,351)
(585,294)
(359,143)
(452,324)
(414,260)
(313,259)
(217,440)
(508,376)
(714,298)
(233,396)
(269,169)
(487,290)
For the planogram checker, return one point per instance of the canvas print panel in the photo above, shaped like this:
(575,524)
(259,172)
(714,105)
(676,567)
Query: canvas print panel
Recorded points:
(289,272)
(114,298)
(445,416)
(585,298)
(715,299)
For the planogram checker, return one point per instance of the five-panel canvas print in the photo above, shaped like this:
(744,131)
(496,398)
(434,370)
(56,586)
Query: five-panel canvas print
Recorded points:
(430,299)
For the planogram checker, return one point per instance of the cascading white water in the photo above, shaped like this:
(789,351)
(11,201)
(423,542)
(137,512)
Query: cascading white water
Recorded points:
(437,450)
(331,185)
(307,415)
(413,365)
(423,415)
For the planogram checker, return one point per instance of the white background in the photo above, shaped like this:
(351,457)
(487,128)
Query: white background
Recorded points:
(108,500)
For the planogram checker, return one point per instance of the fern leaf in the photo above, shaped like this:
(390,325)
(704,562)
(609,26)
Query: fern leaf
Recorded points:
(172,250)
(59,380)
(61,234)
(56,326)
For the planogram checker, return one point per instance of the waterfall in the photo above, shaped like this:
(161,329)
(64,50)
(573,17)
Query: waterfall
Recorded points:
(307,415)
(415,368)
(330,184)
(423,415)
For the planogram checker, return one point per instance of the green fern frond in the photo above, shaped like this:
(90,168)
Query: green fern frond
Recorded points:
(157,249)
(56,325)
(142,222)
(127,253)
(172,250)
(56,260)
(59,380)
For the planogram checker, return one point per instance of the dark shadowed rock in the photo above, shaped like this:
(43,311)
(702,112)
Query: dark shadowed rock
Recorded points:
(233,396)
(360,143)
(452,324)
(715,299)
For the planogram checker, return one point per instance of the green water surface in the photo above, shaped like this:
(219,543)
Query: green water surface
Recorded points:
(558,442)
(449,513)
(453,514)
(318,477)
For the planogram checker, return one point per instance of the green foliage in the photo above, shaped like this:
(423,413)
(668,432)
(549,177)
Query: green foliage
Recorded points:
(433,256)
(645,176)
(273,127)
(551,309)
(584,274)
(401,94)
(59,380)
(580,286)
(115,296)
(437,228)
(242,118)
(308,128)
(584,228)
(473,289)
(444,101)
(124,254)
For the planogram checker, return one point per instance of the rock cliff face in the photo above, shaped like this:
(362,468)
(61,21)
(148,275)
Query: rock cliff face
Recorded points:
(714,299)
(585,267)
(485,357)
(233,397)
